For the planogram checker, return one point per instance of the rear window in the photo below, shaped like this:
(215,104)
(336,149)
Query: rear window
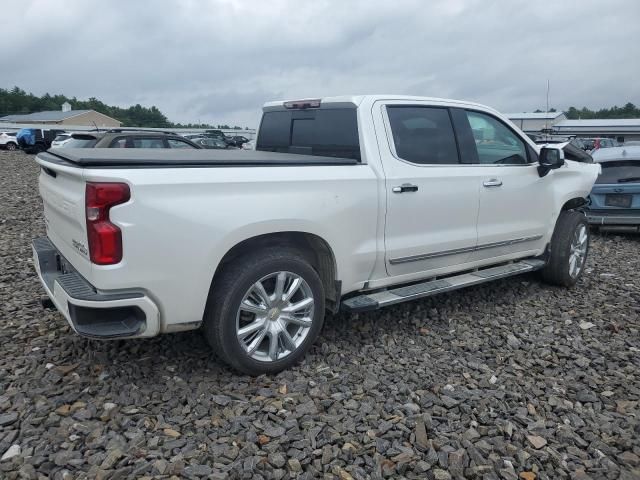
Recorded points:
(322,132)
(80,143)
(624,171)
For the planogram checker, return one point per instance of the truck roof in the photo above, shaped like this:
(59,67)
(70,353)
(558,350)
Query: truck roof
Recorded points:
(354,101)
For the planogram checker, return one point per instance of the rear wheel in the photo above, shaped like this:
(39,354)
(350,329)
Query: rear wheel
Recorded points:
(568,250)
(265,311)
(11,146)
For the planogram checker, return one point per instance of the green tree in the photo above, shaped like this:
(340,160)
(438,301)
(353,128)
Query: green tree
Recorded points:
(17,101)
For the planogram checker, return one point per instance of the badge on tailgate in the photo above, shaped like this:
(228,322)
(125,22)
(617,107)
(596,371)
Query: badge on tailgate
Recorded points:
(80,247)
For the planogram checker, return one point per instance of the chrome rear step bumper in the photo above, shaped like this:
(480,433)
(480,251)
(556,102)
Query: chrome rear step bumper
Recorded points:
(374,301)
(89,311)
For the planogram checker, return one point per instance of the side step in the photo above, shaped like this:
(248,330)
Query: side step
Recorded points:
(373,301)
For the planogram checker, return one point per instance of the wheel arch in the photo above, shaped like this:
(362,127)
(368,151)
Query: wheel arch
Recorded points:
(314,248)
(574,203)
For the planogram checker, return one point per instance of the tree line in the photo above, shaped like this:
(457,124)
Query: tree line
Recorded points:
(17,101)
(584,113)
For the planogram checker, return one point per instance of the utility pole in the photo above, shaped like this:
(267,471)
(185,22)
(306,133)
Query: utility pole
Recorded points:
(546,120)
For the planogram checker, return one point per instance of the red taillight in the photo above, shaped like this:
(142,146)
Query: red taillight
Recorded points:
(105,238)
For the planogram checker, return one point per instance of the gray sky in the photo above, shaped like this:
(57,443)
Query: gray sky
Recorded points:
(219,60)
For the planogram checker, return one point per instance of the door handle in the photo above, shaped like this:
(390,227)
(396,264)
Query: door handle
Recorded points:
(494,182)
(405,187)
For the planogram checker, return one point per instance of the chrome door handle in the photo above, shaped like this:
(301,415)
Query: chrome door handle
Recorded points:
(494,182)
(405,187)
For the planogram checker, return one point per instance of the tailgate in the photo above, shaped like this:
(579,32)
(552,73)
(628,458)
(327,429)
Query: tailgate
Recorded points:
(62,189)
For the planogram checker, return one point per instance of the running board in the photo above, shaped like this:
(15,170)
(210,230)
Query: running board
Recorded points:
(373,301)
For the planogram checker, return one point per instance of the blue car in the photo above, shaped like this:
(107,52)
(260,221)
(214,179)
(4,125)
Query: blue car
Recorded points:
(615,198)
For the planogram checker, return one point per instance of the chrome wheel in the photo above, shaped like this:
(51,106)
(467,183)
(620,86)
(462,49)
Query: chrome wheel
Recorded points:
(578,252)
(275,316)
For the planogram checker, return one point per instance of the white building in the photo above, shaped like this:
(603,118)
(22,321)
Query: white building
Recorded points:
(535,122)
(622,129)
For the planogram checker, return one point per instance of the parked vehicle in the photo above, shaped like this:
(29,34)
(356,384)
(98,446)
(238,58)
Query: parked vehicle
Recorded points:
(215,133)
(579,143)
(119,138)
(209,142)
(615,198)
(8,140)
(592,144)
(60,140)
(349,203)
(237,141)
(573,152)
(34,140)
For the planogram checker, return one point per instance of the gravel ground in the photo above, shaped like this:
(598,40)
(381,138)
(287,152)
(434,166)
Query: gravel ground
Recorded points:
(509,380)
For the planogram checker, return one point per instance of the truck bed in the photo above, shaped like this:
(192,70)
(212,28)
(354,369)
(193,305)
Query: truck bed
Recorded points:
(156,157)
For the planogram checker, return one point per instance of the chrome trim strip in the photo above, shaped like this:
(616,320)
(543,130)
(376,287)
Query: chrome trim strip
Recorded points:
(457,251)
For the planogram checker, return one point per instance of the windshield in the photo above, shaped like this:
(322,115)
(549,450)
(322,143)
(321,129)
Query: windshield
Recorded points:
(622,171)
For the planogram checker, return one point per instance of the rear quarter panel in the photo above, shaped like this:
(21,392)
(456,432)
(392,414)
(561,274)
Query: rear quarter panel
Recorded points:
(180,222)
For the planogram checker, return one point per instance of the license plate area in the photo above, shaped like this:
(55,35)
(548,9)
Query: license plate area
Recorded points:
(621,200)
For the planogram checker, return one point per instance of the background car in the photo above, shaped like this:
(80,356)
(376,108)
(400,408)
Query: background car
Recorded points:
(597,143)
(579,143)
(210,142)
(237,141)
(8,141)
(119,138)
(615,198)
(34,140)
(60,140)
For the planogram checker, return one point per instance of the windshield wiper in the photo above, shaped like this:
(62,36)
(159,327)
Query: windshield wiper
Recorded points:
(629,179)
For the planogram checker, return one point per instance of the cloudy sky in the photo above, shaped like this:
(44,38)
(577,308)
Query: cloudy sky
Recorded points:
(219,60)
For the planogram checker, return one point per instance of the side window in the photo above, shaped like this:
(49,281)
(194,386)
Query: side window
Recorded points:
(119,143)
(423,135)
(153,142)
(175,143)
(495,142)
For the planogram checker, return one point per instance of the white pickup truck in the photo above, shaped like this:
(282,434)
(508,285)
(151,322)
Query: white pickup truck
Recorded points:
(351,203)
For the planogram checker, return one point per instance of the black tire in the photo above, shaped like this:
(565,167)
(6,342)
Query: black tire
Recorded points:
(558,268)
(11,146)
(228,290)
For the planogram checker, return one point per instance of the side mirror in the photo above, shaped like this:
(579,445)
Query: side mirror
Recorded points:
(550,159)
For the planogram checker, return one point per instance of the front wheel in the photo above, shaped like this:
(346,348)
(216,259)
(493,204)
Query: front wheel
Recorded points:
(264,311)
(11,146)
(568,250)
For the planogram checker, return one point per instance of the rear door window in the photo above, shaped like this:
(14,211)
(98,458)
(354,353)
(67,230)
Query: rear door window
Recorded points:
(423,135)
(323,132)
(175,143)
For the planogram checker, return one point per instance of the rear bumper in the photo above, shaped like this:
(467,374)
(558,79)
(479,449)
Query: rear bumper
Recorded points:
(613,218)
(90,312)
